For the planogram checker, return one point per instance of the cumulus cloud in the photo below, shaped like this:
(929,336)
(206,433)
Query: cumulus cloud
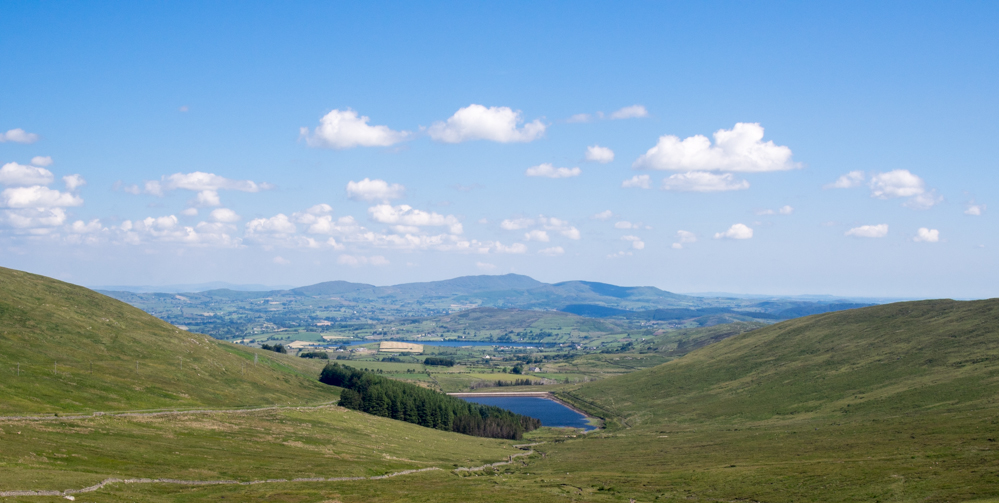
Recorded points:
(636,242)
(476,122)
(167,229)
(783,210)
(739,149)
(554,251)
(624,224)
(224,215)
(190,212)
(33,220)
(737,231)
(869,231)
(407,215)
(926,235)
(37,196)
(206,185)
(548,171)
(344,129)
(632,112)
(16,174)
(637,182)
(701,181)
(603,215)
(684,237)
(43,161)
(596,153)
(515,224)
(73,182)
(515,248)
(620,254)
(902,183)
(18,135)
(207,198)
(537,235)
(561,226)
(374,190)
(974,209)
(278,224)
(580,118)
(848,181)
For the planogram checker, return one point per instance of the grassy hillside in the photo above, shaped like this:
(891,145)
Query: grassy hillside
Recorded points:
(892,359)
(64,348)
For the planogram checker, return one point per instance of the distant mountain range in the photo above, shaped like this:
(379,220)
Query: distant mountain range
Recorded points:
(586,298)
(199,287)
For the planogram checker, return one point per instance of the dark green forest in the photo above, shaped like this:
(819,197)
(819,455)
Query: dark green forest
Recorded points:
(380,396)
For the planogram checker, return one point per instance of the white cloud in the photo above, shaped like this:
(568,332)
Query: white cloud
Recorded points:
(167,229)
(902,183)
(73,182)
(407,215)
(925,235)
(516,224)
(636,242)
(975,209)
(81,227)
(580,118)
(485,266)
(344,129)
(374,190)
(224,215)
(620,254)
(200,181)
(537,235)
(514,248)
(190,212)
(848,181)
(739,149)
(783,210)
(632,112)
(358,260)
(560,226)
(37,197)
(43,161)
(604,215)
(278,224)
(548,171)
(16,174)
(869,231)
(34,220)
(476,122)
(896,183)
(207,198)
(552,252)
(737,231)
(596,153)
(18,135)
(637,182)
(684,237)
(701,181)
(281,261)
(624,225)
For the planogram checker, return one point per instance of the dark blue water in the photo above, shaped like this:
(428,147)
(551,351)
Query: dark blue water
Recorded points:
(550,412)
(456,344)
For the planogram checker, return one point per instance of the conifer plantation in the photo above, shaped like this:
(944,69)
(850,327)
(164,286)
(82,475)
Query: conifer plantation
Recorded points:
(380,396)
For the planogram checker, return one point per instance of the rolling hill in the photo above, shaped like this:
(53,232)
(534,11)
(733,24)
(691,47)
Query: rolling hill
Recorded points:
(64,349)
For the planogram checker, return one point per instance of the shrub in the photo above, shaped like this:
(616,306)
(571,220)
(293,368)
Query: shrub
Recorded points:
(277,348)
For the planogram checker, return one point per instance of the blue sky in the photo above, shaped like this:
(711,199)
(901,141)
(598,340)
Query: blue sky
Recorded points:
(295,142)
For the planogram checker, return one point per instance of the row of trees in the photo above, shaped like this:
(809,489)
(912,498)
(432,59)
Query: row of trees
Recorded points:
(439,361)
(380,396)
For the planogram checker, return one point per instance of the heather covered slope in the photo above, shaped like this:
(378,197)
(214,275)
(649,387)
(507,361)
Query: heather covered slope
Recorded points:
(64,348)
(885,360)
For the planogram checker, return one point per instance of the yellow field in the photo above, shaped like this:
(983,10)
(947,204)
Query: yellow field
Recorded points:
(400,347)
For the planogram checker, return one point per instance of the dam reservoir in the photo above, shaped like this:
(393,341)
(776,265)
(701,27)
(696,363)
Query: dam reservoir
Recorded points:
(550,412)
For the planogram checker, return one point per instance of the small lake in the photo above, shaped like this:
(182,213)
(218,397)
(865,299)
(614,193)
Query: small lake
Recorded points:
(550,412)
(458,344)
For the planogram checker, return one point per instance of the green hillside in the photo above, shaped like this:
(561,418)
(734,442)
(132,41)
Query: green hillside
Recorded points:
(892,359)
(64,348)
